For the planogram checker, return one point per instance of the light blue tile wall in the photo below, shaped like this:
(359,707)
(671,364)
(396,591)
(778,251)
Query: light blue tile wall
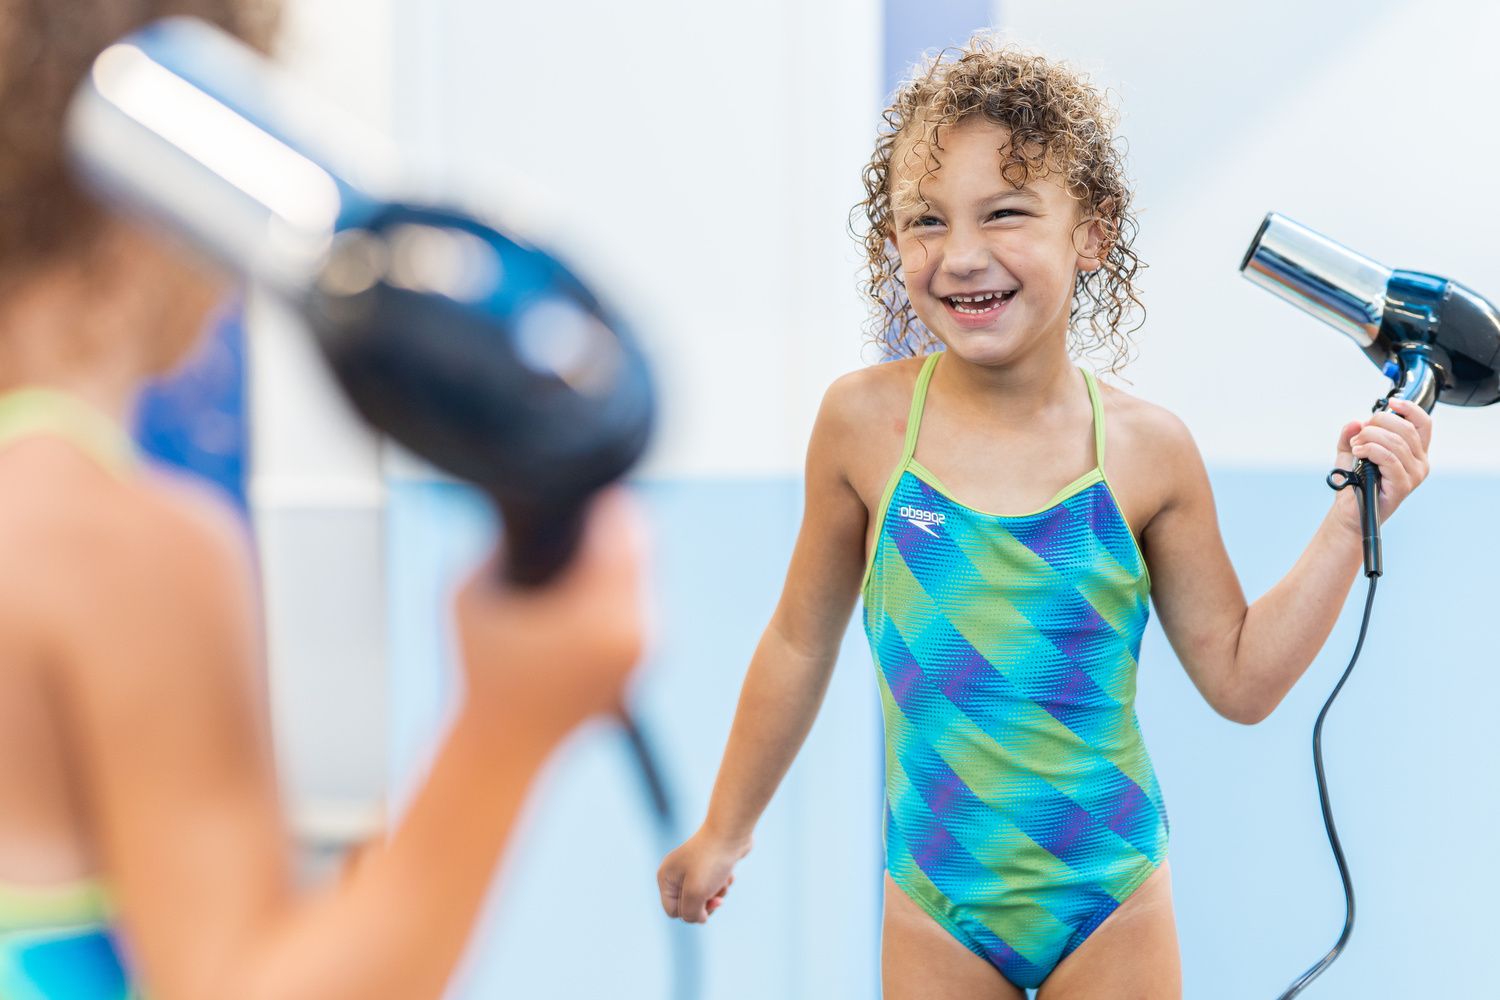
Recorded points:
(1410,747)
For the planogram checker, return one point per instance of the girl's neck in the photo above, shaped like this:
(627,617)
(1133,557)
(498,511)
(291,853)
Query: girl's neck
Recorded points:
(59,336)
(1028,390)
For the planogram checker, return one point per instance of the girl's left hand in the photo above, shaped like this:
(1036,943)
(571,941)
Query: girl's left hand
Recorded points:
(1396,441)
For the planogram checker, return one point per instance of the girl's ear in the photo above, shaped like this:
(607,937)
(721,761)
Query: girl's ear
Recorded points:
(1094,237)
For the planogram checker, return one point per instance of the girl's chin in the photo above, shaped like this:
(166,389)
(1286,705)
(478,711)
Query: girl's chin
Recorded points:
(984,348)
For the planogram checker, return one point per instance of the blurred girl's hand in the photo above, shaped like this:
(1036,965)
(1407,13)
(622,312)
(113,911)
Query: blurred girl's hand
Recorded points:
(548,658)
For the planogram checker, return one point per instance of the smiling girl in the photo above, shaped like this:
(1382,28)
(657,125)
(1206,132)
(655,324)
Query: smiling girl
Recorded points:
(1007,561)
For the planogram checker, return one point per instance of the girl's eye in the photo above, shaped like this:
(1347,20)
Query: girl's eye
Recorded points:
(997,213)
(926,220)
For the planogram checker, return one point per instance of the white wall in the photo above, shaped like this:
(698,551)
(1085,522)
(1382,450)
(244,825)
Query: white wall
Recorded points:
(317,494)
(709,154)
(1370,121)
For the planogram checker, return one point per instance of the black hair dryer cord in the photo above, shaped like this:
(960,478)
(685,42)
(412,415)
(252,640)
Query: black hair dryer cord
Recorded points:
(686,946)
(1364,477)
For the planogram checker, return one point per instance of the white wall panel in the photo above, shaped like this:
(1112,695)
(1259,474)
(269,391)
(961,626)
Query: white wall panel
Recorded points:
(1370,122)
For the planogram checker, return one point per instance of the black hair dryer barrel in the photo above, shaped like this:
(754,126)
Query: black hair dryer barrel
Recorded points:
(490,360)
(484,355)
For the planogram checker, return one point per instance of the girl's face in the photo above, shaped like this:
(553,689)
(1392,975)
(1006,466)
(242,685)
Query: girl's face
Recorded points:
(989,268)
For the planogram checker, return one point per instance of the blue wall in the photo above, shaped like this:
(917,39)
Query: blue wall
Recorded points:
(1409,751)
(194,418)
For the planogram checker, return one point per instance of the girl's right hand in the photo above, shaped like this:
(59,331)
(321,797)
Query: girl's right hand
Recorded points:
(694,878)
(546,659)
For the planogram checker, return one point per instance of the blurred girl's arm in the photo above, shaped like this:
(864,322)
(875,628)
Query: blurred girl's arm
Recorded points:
(1245,658)
(164,695)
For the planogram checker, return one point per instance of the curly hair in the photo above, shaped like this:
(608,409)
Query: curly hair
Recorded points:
(46,47)
(1058,123)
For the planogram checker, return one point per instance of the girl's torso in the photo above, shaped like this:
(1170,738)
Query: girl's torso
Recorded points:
(997,471)
(55,935)
(1022,806)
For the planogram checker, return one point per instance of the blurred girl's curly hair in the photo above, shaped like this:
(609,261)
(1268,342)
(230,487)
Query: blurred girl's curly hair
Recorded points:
(1058,122)
(46,47)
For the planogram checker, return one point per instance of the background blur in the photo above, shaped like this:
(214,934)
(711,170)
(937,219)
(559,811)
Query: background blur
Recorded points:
(701,160)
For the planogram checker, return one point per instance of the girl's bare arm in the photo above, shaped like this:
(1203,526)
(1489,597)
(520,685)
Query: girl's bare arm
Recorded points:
(159,664)
(789,671)
(1245,658)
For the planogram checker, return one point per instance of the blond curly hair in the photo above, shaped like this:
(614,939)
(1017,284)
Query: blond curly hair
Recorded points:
(1058,123)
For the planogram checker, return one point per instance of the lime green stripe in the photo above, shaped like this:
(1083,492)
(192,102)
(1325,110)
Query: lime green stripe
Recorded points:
(912,880)
(918,400)
(1000,628)
(1007,848)
(1115,600)
(1025,931)
(35,410)
(1139,554)
(1077,486)
(997,775)
(1017,580)
(1098,407)
(1098,404)
(913,424)
(70,905)
(1041,728)
(885,502)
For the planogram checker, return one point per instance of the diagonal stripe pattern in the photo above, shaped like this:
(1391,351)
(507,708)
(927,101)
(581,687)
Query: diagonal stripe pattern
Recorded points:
(1021,804)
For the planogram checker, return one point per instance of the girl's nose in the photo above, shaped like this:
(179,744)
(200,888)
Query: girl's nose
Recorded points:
(964,252)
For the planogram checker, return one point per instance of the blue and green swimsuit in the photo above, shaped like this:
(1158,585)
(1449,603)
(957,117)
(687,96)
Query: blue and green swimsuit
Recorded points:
(1021,805)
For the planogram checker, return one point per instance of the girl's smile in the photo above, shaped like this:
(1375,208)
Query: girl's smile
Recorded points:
(977,309)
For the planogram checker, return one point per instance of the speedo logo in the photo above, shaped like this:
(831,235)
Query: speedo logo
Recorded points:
(923,519)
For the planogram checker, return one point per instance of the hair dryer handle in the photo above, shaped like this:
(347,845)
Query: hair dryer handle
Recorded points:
(1364,478)
(539,542)
(1368,474)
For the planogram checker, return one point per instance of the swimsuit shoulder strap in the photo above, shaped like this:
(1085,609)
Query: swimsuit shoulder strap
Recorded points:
(1098,406)
(918,399)
(73,904)
(38,410)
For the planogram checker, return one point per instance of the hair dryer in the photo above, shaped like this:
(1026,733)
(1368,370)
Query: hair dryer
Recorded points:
(479,352)
(1434,338)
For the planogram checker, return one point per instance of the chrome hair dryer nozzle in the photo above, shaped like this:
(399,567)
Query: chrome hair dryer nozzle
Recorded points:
(1436,339)
(481,353)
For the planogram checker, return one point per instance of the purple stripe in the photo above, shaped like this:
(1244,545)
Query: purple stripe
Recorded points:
(1124,810)
(1052,537)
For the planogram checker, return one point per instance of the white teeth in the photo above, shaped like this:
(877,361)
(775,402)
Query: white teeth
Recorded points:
(988,298)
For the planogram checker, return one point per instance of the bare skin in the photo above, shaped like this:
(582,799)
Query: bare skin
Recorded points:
(130,665)
(1007,423)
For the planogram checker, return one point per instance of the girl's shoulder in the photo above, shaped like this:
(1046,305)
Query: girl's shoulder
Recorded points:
(1153,432)
(87,534)
(875,392)
(1150,451)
